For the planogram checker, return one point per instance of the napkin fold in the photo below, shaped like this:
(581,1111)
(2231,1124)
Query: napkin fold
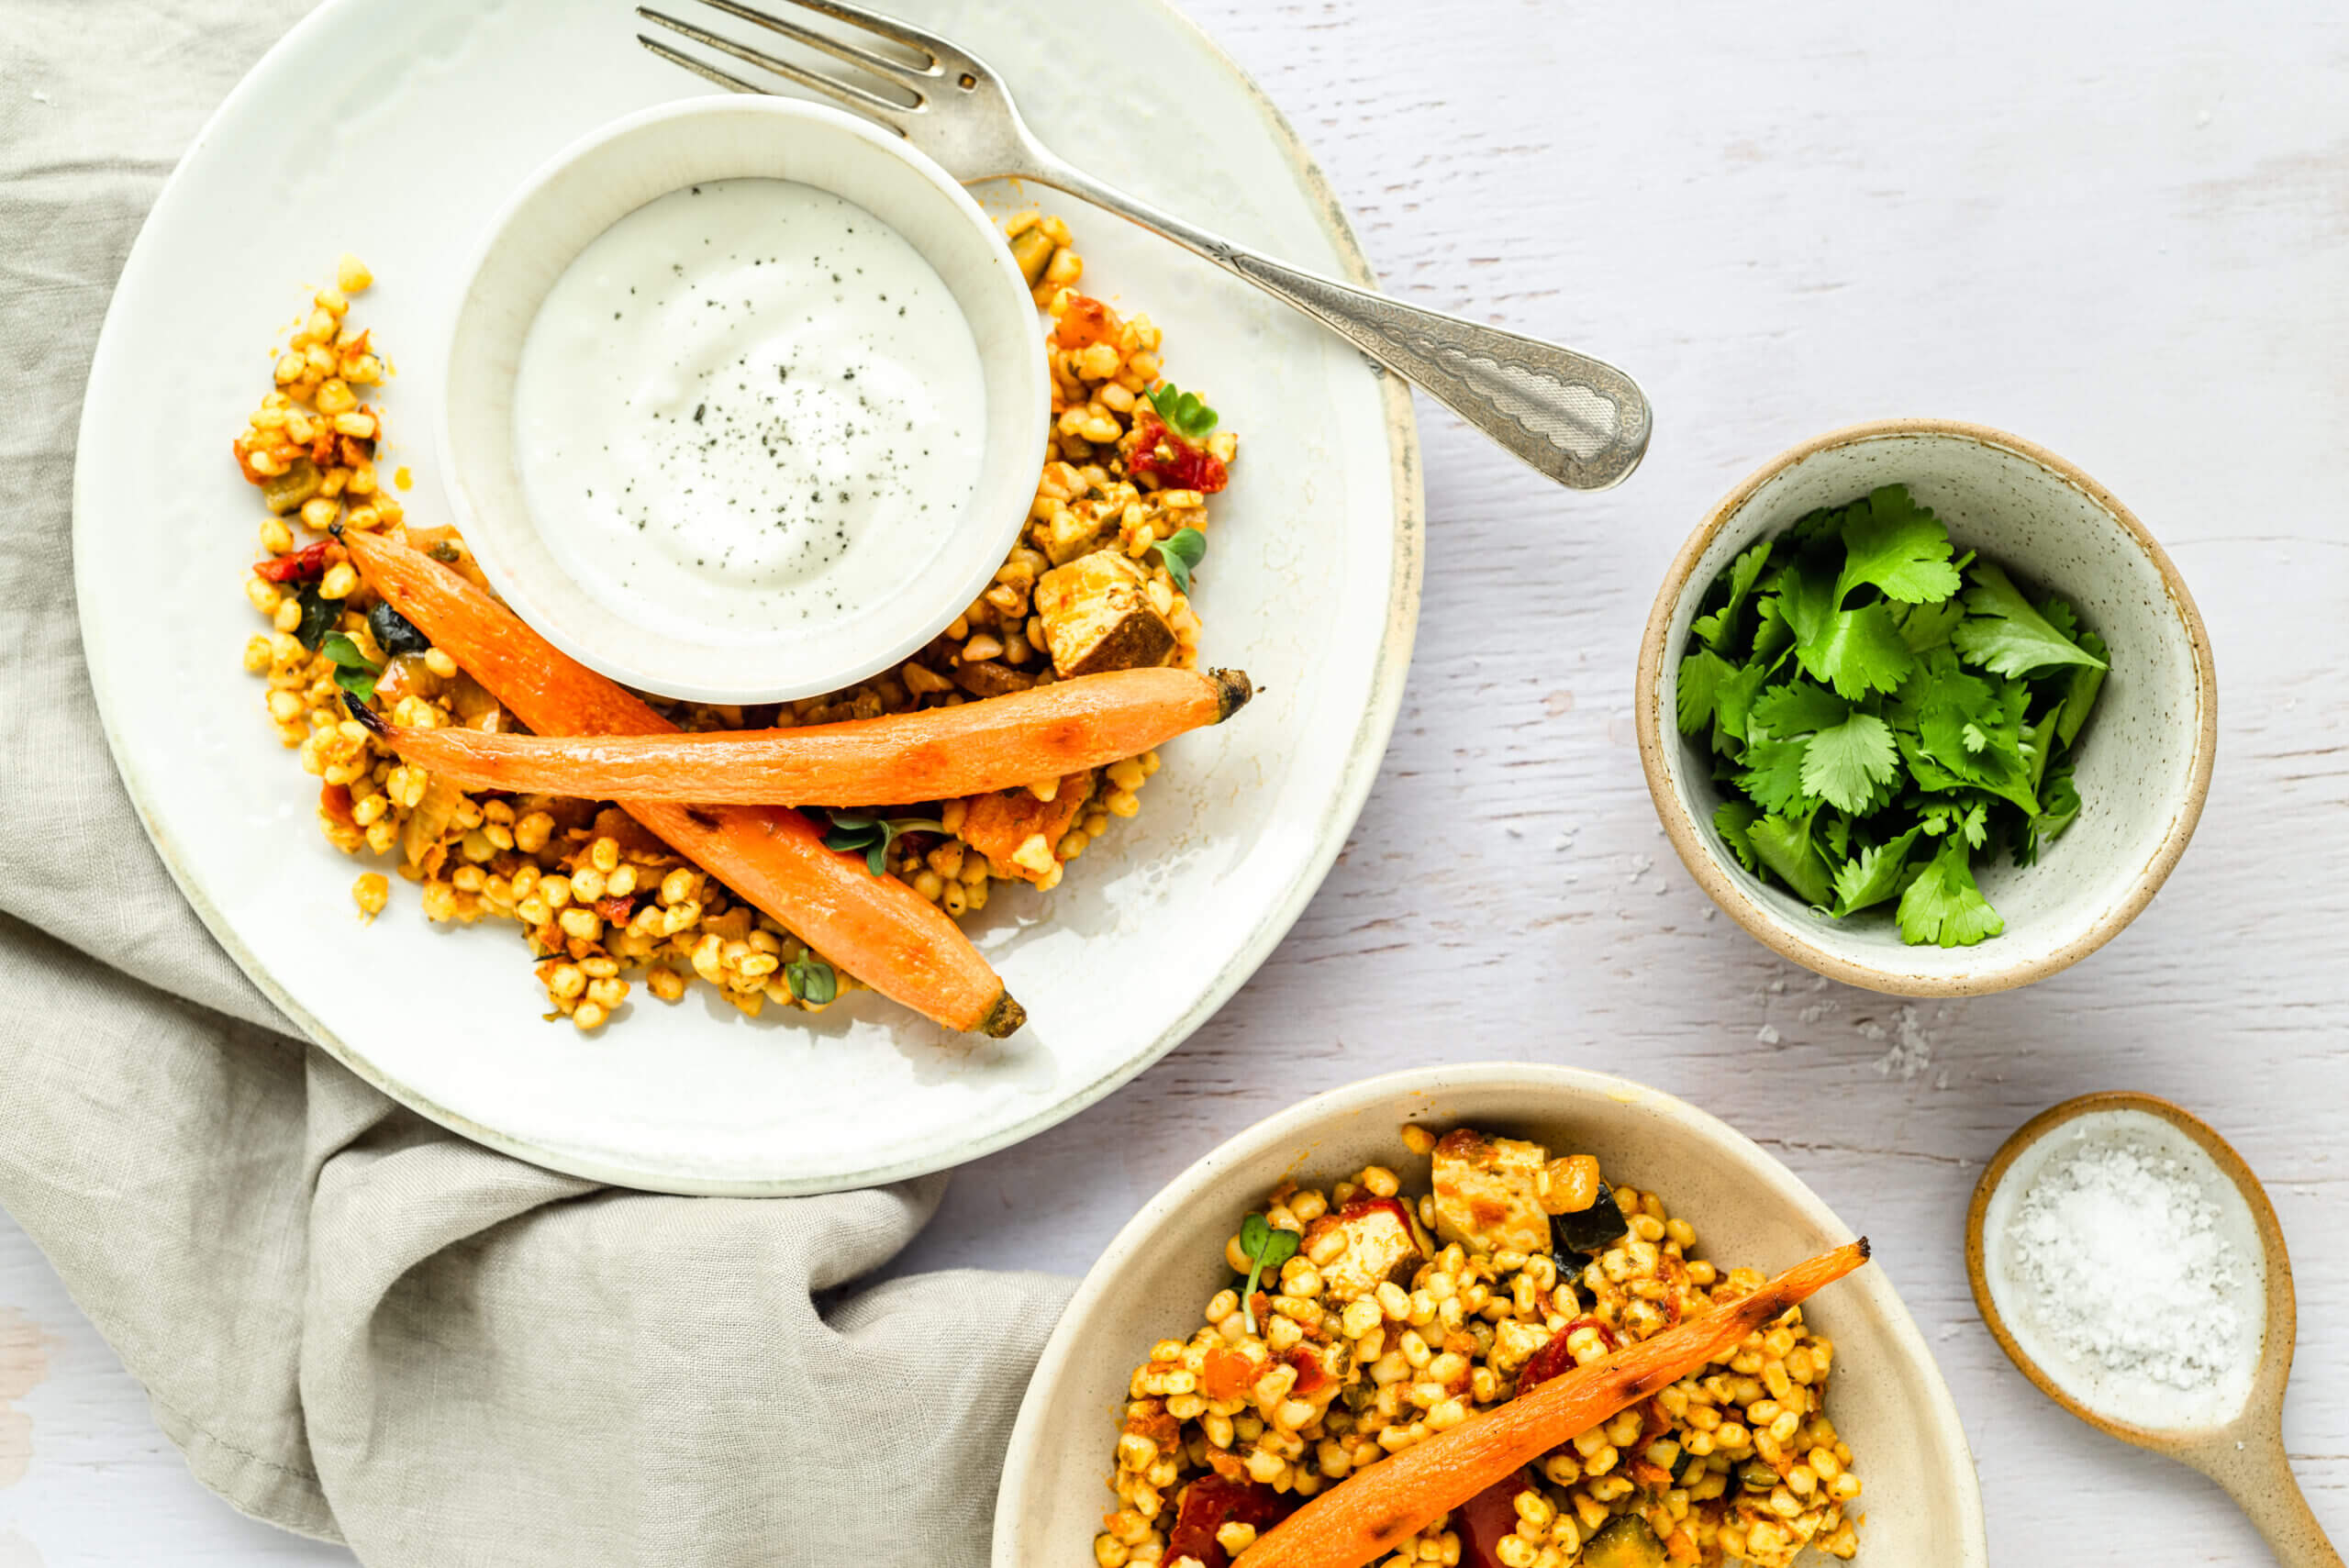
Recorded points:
(355,1324)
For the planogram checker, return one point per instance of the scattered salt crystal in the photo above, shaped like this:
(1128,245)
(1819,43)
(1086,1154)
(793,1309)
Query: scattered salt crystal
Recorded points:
(1911,1051)
(1767,1034)
(1814,1012)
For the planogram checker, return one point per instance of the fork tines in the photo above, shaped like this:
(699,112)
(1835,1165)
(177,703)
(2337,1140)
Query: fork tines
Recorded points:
(905,76)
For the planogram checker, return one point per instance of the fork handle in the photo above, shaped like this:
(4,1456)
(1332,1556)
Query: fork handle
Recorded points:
(1577,420)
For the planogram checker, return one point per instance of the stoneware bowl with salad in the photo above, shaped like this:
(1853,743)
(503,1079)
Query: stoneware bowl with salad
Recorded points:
(1926,709)
(1922,1501)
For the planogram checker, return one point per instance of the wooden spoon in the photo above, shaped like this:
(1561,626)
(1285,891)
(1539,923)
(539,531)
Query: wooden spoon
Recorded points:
(2245,1455)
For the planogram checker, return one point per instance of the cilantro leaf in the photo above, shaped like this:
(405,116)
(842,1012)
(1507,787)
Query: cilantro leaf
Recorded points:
(1783,843)
(2005,635)
(1943,906)
(1772,635)
(1696,695)
(1732,819)
(1927,626)
(1873,876)
(1718,627)
(2080,690)
(1733,705)
(1181,551)
(1799,708)
(1773,774)
(1857,652)
(1897,547)
(1182,412)
(1845,765)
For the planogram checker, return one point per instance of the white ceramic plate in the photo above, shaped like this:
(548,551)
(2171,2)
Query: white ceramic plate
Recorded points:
(1922,1502)
(394,130)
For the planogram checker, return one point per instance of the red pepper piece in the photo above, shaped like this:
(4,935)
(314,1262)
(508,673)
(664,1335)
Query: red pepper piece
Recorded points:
(1554,1358)
(1209,1504)
(617,910)
(306,566)
(1159,453)
(1486,1519)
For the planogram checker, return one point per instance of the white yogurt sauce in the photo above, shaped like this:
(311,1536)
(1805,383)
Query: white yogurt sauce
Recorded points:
(748,406)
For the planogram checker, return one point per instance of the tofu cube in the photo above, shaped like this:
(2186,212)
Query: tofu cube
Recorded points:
(1097,616)
(1078,529)
(1485,1192)
(1380,1246)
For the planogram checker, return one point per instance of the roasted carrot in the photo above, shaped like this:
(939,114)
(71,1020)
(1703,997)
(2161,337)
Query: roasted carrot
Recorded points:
(876,927)
(940,754)
(1371,1513)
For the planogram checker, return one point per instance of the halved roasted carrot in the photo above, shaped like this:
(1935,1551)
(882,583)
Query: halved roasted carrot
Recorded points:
(876,927)
(1375,1510)
(940,754)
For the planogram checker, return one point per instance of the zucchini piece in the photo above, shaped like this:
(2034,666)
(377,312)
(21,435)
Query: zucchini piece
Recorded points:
(1624,1541)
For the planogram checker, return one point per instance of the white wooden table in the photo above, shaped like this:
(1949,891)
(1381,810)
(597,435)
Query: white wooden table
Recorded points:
(2119,230)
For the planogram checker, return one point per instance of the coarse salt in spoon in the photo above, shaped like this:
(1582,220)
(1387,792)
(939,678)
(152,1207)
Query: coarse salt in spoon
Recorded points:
(2129,1264)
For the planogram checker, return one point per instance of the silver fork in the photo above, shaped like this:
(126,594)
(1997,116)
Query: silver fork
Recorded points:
(1577,420)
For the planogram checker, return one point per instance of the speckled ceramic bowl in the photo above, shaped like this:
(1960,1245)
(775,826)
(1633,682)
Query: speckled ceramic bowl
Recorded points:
(1922,1503)
(2143,758)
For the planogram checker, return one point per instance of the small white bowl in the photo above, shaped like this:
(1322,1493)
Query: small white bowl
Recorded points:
(1922,1502)
(602,178)
(2143,760)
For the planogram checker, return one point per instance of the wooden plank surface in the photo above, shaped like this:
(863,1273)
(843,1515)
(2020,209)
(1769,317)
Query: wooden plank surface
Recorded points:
(2117,230)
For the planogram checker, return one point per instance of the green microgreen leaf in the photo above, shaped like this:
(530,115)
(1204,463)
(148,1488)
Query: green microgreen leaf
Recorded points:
(1182,550)
(1264,1247)
(853,831)
(353,672)
(2005,635)
(1182,412)
(811,980)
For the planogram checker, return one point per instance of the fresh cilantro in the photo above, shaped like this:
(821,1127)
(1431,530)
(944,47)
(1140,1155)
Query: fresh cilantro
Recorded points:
(1846,764)
(2006,636)
(851,830)
(1264,1247)
(1885,712)
(352,673)
(1783,844)
(1182,412)
(1733,820)
(1873,876)
(811,980)
(1182,550)
(1717,628)
(1944,907)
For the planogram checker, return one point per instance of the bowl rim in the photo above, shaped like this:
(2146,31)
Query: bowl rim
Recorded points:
(1298,1122)
(1657,742)
(460,457)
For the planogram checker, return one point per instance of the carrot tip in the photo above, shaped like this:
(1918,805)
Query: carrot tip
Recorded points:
(334,530)
(1005,1018)
(1866,1251)
(1233,692)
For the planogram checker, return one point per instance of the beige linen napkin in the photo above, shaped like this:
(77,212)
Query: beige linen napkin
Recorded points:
(354,1324)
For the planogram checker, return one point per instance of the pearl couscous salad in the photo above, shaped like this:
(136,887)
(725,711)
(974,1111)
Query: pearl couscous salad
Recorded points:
(1363,1320)
(385,646)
